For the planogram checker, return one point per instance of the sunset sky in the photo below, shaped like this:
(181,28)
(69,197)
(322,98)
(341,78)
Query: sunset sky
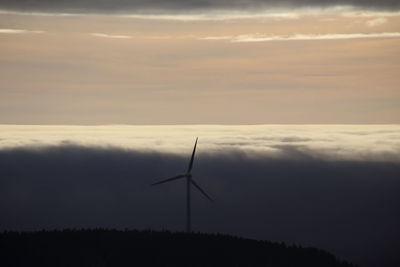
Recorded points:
(191,62)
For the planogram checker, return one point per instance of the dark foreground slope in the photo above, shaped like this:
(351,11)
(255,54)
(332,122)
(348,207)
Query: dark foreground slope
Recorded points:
(147,248)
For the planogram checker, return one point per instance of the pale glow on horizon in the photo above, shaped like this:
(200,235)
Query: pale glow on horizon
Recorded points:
(330,142)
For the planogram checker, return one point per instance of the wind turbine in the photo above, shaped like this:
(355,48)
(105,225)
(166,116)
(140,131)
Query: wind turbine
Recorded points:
(189,182)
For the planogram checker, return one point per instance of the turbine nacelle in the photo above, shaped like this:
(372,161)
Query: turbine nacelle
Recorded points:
(187,175)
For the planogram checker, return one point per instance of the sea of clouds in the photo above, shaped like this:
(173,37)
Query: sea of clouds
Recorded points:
(333,187)
(331,142)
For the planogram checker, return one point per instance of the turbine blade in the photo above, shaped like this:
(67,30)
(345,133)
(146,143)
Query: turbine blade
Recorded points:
(201,190)
(170,179)
(192,158)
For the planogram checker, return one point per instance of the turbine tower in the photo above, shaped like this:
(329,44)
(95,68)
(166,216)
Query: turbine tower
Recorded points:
(189,181)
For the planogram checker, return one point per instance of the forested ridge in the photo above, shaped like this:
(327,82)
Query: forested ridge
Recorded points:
(102,247)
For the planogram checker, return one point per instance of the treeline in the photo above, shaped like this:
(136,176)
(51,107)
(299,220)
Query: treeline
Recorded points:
(101,247)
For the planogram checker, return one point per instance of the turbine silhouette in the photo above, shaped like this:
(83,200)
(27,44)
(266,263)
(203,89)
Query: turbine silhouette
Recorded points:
(189,181)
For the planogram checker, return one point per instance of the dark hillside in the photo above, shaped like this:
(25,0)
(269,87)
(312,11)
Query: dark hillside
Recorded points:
(147,248)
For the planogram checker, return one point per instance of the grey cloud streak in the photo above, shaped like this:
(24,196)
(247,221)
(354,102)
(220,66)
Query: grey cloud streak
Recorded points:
(301,37)
(181,6)
(347,207)
(18,31)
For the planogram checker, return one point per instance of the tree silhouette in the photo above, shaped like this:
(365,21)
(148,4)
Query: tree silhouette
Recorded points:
(101,247)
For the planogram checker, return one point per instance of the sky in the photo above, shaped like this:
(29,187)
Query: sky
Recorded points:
(199,62)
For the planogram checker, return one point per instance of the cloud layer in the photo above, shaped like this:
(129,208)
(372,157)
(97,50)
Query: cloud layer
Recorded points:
(181,6)
(112,36)
(305,37)
(330,142)
(18,31)
(282,182)
(347,207)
